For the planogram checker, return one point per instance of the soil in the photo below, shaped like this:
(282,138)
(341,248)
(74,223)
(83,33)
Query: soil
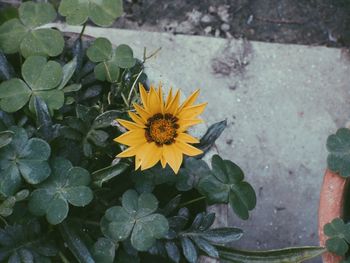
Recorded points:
(310,22)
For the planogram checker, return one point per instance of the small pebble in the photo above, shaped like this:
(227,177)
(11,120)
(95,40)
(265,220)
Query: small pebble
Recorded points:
(212,9)
(225,27)
(206,19)
(217,33)
(207,30)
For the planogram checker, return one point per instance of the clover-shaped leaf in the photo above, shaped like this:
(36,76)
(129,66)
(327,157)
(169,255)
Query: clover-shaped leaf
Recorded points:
(225,185)
(23,158)
(5,138)
(25,35)
(6,207)
(338,146)
(103,250)
(25,243)
(67,184)
(110,61)
(101,12)
(339,236)
(41,78)
(135,217)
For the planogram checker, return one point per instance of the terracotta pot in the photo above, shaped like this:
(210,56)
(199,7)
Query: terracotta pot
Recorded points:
(332,199)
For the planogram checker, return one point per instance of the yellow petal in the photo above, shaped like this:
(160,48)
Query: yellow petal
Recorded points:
(184,124)
(154,102)
(142,112)
(130,125)
(191,99)
(137,162)
(132,138)
(173,157)
(136,118)
(163,161)
(169,98)
(185,137)
(153,155)
(188,149)
(160,96)
(174,104)
(192,111)
(144,96)
(131,151)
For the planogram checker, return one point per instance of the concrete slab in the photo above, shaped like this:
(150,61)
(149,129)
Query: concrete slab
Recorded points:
(281,102)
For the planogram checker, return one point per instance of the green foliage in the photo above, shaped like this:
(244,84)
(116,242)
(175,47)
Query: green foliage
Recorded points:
(25,243)
(209,138)
(110,61)
(338,146)
(41,78)
(294,254)
(67,184)
(7,205)
(225,184)
(339,236)
(23,158)
(5,138)
(195,239)
(136,218)
(25,35)
(102,13)
(104,251)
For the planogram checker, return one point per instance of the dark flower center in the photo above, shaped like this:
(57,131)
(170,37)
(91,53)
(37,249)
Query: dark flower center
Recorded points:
(161,129)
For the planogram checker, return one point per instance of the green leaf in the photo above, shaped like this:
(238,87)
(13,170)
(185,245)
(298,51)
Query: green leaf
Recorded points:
(105,119)
(75,244)
(104,175)
(111,61)
(41,74)
(338,146)
(225,185)
(206,247)
(72,88)
(107,71)
(6,69)
(135,217)
(23,158)
(295,254)
(67,73)
(25,35)
(222,235)
(36,14)
(189,250)
(12,33)
(100,50)
(66,184)
(209,138)
(339,234)
(102,13)
(124,57)
(5,138)
(172,251)
(44,41)
(26,241)
(103,251)
(14,94)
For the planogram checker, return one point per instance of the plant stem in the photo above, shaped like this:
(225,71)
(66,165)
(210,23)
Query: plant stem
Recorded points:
(87,222)
(192,201)
(63,258)
(3,220)
(82,31)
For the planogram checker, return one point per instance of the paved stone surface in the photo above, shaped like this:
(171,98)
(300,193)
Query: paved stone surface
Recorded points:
(281,102)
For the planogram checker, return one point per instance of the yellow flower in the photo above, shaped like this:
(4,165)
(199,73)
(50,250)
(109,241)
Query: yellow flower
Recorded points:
(158,131)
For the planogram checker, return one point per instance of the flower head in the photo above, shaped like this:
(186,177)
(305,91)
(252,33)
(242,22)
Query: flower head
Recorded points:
(159,129)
